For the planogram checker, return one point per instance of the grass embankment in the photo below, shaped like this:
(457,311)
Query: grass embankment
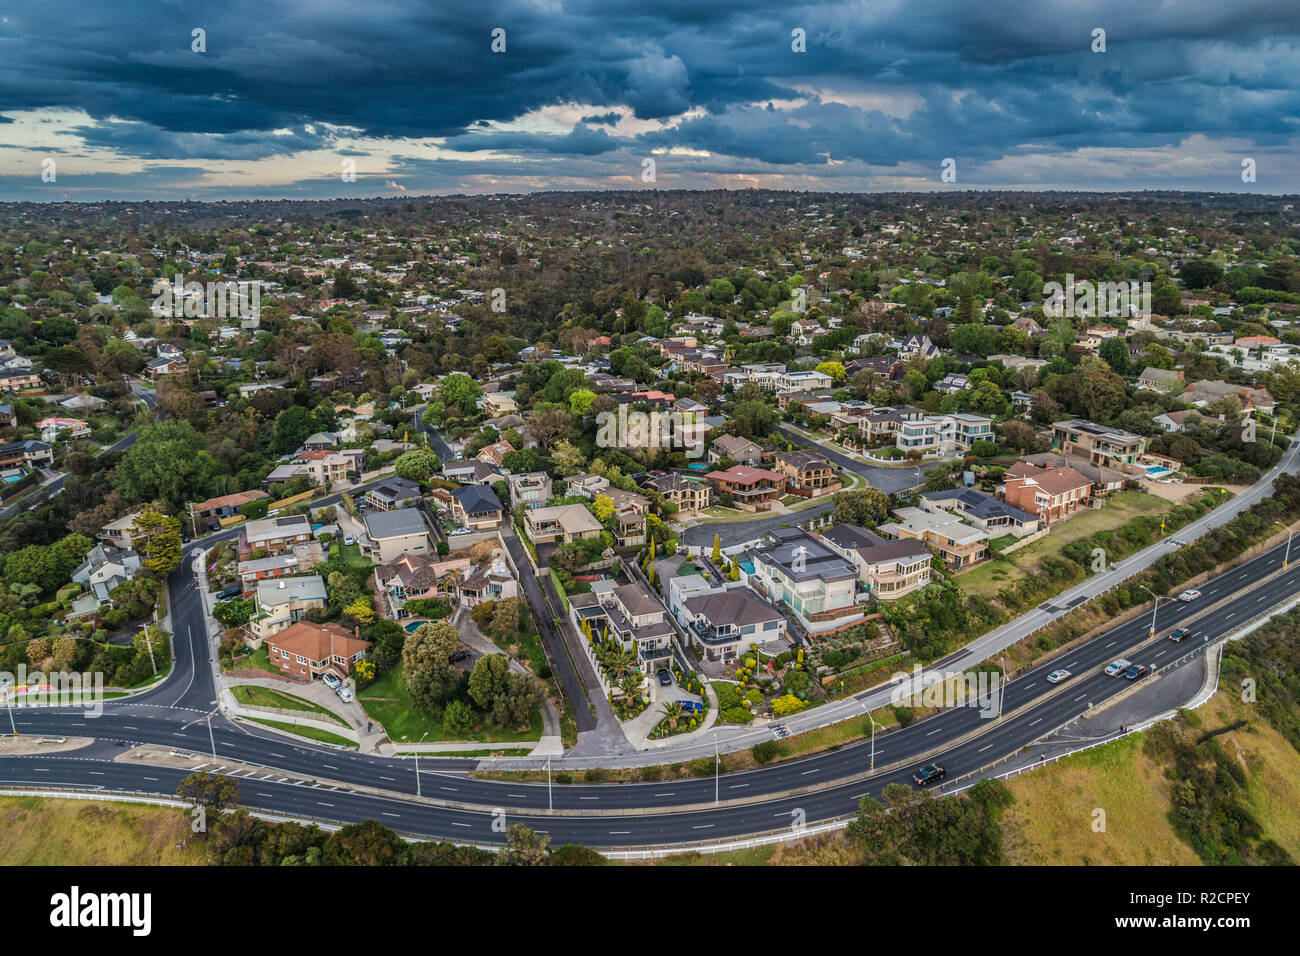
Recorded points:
(1051,820)
(266,697)
(311,733)
(40,831)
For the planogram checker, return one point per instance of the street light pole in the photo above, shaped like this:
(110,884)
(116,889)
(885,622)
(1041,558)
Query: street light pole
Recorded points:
(1152,632)
(873,740)
(717,762)
(550,802)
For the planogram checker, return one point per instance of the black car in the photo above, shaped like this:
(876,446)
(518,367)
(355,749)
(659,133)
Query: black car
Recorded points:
(928,775)
(1137,672)
(665,678)
(231,590)
(460,656)
(1179,635)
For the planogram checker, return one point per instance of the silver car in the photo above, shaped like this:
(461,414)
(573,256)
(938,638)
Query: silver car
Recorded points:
(1115,668)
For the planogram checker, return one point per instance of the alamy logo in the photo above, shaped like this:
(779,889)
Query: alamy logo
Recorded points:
(651,430)
(56,689)
(980,689)
(74,909)
(1086,299)
(179,299)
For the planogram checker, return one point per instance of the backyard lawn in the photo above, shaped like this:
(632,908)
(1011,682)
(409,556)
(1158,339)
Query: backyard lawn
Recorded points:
(388,703)
(352,555)
(989,578)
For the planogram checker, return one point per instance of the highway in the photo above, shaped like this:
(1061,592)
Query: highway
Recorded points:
(602,816)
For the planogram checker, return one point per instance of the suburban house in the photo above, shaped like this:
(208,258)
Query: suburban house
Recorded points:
(630,613)
(724,621)
(1180,421)
(751,489)
(808,473)
(560,524)
(887,569)
(472,472)
(303,558)
(165,365)
(690,496)
(285,601)
(629,516)
(1099,444)
(210,513)
(586,485)
(118,531)
(15,378)
(809,381)
(918,345)
(499,403)
(818,585)
(531,489)
(494,453)
(943,434)
(274,535)
(487,582)
(50,428)
(740,450)
(320,466)
(952,383)
(394,493)
(31,453)
(306,651)
(1053,494)
(1207,392)
(476,507)
(960,544)
(1160,380)
(399,531)
(409,577)
(1104,480)
(984,511)
(104,568)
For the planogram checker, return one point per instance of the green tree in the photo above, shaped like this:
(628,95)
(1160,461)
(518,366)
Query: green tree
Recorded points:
(418,464)
(158,538)
(488,679)
(426,662)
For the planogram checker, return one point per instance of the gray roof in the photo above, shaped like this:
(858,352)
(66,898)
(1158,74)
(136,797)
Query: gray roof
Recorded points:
(739,606)
(395,523)
(978,504)
(871,546)
(818,561)
(477,499)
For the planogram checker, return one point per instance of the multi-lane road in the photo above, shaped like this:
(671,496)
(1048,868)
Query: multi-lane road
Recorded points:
(322,783)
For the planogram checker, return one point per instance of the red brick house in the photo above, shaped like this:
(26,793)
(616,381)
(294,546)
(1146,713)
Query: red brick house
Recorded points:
(1052,494)
(306,651)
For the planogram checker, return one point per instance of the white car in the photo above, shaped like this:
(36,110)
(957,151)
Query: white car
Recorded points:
(349,539)
(1057,676)
(345,695)
(1114,668)
(331,680)
(1191,594)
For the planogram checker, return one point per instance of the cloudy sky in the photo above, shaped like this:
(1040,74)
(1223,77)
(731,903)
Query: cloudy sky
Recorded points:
(283,99)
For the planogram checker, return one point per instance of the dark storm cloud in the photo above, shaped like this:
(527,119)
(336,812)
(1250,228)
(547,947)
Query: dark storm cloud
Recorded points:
(887,84)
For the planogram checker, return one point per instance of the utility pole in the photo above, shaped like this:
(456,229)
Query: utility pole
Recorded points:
(1152,631)
(717,763)
(550,801)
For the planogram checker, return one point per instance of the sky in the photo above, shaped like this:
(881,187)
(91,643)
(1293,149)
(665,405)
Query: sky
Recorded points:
(117,99)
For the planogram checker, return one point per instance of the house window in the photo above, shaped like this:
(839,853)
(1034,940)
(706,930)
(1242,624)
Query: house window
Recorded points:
(284,654)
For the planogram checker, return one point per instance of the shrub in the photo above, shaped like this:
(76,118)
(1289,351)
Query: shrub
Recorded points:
(765,751)
(904,716)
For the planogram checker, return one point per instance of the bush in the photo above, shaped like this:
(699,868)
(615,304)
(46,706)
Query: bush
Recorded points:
(904,716)
(766,751)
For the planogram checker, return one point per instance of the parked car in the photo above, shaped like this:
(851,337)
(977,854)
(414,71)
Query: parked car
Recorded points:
(331,680)
(230,591)
(460,656)
(665,678)
(1118,667)
(928,775)
(691,706)
(1191,594)
(349,539)
(1137,672)
(1057,675)
(1179,634)
(458,531)
(345,695)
